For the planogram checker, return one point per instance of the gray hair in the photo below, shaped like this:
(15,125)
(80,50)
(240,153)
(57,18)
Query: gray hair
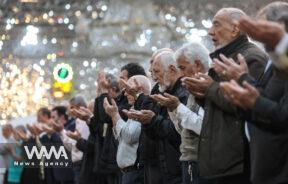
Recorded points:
(113,82)
(167,59)
(143,81)
(233,13)
(78,100)
(194,51)
(274,11)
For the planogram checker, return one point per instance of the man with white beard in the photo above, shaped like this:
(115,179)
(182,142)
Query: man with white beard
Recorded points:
(156,123)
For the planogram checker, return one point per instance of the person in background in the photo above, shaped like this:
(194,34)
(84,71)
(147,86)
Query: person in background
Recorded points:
(15,171)
(80,127)
(128,133)
(7,131)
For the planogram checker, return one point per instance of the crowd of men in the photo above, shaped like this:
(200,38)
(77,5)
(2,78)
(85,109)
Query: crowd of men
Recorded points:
(210,118)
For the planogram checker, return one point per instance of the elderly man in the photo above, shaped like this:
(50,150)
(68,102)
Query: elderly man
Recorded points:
(222,132)
(128,134)
(191,59)
(266,113)
(157,125)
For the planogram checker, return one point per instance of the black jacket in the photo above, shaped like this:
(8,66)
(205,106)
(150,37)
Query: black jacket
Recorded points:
(221,143)
(161,129)
(54,174)
(268,129)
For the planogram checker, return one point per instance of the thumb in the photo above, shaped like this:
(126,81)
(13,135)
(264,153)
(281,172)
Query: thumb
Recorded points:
(113,103)
(205,76)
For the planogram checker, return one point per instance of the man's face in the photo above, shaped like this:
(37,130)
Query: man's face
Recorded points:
(54,116)
(186,68)
(165,78)
(221,31)
(124,75)
(158,71)
(6,132)
(42,118)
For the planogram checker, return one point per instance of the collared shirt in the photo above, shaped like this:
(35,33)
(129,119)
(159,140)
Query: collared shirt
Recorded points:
(70,144)
(127,133)
(188,122)
(184,117)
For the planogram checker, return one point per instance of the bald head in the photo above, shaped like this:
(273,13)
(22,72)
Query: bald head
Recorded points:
(232,14)
(224,29)
(159,51)
(142,81)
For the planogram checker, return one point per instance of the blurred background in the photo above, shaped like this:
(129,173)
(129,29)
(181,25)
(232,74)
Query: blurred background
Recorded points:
(52,49)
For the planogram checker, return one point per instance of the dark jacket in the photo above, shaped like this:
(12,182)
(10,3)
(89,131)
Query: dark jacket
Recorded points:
(54,174)
(105,146)
(221,143)
(268,130)
(161,129)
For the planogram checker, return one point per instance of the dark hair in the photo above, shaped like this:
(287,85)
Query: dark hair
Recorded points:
(78,100)
(61,111)
(45,111)
(133,69)
(113,82)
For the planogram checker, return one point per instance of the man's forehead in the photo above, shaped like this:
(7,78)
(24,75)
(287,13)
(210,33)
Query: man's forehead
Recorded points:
(221,16)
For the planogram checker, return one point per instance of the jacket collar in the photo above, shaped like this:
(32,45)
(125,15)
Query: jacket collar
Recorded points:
(231,48)
(176,86)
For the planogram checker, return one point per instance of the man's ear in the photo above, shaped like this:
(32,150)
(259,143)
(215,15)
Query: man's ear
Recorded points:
(172,68)
(199,66)
(235,31)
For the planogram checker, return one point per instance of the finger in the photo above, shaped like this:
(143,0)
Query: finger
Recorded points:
(227,61)
(113,103)
(218,65)
(203,75)
(106,103)
(167,95)
(241,59)
(249,87)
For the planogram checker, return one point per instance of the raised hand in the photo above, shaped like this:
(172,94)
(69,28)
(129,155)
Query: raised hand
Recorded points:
(230,69)
(167,100)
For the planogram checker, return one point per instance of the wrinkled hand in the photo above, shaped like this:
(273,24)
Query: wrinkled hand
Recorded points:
(103,83)
(197,85)
(167,100)
(229,69)
(244,97)
(48,129)
(111,110)
(58,127)
(22,135)
(31,129)
(82,113)
(269,33)
(143,116)
(74,135)
(38,127)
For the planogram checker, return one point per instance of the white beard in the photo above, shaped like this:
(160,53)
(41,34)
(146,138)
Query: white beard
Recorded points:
(162,88)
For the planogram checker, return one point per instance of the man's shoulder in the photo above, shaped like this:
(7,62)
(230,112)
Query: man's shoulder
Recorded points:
(252,52)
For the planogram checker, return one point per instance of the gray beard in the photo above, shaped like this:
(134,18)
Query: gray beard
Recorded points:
(162,88)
